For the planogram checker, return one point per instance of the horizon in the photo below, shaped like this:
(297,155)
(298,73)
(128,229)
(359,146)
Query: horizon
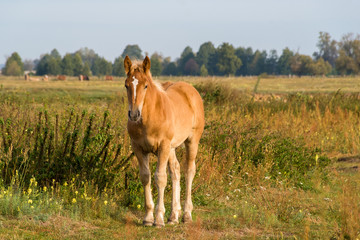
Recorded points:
(167,27)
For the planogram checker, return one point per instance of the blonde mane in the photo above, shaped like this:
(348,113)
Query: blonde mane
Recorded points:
(159,86)
(137,65)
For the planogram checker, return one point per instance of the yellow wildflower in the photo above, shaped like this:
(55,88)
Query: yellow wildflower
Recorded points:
(30,201)
(138,206)
(105,202)
(235,216)
(29,191)
(73,200)
(45,189)
(65,184)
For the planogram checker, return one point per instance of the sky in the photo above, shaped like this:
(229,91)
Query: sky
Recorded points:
(35,27)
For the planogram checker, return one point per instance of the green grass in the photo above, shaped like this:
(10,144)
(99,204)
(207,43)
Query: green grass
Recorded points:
(267,164)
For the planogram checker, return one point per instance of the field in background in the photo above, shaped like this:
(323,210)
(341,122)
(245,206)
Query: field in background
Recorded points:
(268,84)
(282,163)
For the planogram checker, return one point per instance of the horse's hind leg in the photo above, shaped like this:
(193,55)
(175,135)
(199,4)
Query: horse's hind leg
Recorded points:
(174,169)
(191,151)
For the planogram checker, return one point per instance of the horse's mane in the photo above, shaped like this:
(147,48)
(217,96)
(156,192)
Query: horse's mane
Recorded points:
(137,65)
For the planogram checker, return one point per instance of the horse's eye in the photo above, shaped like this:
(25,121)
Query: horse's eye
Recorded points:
(126,86)
(145,86)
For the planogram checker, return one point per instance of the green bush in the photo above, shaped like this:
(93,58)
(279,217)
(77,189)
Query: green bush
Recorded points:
(59,147)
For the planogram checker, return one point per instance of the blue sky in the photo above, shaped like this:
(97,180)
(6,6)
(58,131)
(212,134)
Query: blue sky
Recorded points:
(35,27)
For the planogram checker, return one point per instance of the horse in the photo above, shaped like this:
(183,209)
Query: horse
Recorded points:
(83,77)
(61,77)
(160,119)
(109,78)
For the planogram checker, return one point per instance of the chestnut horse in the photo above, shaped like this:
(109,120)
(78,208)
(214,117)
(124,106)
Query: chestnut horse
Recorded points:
(160,119)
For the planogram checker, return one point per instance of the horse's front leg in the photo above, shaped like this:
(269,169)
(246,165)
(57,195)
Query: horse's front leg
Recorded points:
(145,177)
(160,180)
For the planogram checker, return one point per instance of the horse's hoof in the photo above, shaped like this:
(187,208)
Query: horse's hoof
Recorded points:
(159,225)
(173,222)
(187,218)
(148,224)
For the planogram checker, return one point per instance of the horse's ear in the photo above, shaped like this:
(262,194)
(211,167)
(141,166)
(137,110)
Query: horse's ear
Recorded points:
(127,64)
(146,64)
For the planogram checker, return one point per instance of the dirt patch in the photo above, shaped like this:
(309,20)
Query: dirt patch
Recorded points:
(349,164)
(350,159)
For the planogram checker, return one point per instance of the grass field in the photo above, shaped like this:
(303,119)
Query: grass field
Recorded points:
(279,164)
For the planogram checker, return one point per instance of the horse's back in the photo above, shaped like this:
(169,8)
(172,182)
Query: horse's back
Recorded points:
(187,103)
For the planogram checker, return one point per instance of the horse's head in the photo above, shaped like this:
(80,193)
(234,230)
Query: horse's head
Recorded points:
(136,83)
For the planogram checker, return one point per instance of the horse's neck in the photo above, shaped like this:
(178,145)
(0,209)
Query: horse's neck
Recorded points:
(154,101)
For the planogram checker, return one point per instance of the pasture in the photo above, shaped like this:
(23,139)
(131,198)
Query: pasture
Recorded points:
(279,164)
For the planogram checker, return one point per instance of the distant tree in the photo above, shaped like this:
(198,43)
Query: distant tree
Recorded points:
(13,66)
(48,65)
(86,69)
(228,63)
(88,55)
(118,67)
(246,56)
(53,66)
(55,54)
(345,64)
(78,65)
(170,70)
(257,65)
(204,53)
(321,67)
(203,71)
(107,67)
(271,63)
(327,49)
(67,65)
(191,67)
(212,63)
(302,65)
(42,66)
(166,61)
(186,55)
(133,51)
(156,66)
(348,61)
(13,69)
(284,62)
(101,67)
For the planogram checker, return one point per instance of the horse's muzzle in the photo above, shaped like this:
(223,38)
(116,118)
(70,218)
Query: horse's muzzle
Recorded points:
(134,115)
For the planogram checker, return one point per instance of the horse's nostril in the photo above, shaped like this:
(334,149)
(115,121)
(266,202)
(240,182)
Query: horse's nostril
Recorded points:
(134,115)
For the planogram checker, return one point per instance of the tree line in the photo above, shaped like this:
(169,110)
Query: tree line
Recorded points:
(332,58)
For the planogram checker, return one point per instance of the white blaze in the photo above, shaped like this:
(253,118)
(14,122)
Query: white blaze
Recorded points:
(135,82)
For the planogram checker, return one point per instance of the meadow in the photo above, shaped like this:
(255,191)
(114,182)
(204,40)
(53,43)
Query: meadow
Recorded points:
(279,159)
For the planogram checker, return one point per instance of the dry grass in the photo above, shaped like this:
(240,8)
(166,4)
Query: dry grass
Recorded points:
(230,202)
